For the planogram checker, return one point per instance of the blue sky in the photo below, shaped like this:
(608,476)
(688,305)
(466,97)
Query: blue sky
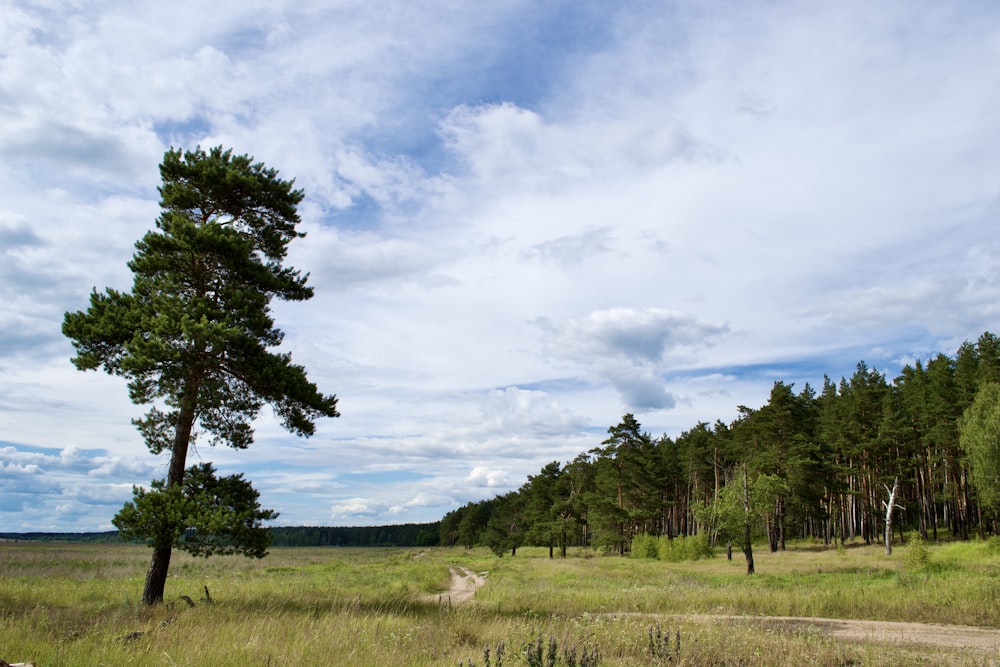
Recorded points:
(523,220)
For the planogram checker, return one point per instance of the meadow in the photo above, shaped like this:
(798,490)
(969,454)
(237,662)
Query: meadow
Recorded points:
(78,604)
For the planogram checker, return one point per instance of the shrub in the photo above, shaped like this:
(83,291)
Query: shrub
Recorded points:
(645,546)
(679,549)
(917,555)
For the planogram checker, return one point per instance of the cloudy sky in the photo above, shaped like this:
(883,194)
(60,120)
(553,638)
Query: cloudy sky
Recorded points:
(524,219)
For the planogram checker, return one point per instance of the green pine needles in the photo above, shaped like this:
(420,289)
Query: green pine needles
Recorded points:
(193,339)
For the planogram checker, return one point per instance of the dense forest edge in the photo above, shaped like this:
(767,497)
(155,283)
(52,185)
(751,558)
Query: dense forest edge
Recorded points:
(863,459)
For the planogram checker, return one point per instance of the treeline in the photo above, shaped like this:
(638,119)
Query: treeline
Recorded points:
(806,464)
(404,535)
(107,536)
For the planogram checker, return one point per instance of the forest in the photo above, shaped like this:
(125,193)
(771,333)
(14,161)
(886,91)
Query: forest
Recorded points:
(824,465)
(400,535)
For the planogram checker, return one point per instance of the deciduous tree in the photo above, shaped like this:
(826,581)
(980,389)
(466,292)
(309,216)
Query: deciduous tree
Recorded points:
(980,438)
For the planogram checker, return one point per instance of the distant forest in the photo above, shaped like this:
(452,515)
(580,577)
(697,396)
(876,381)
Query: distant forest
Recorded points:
(807,464)
(404,535)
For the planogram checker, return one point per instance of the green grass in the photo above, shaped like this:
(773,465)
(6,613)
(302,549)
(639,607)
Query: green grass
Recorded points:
(76,604)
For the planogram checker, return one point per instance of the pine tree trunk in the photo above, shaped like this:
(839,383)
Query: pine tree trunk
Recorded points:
(156,576)
(747,522)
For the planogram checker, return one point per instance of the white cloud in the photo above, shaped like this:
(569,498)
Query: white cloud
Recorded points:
(633,349)
(354,508)
(482,476)
(514,149)
(517,410)
(636,335)
(435,501)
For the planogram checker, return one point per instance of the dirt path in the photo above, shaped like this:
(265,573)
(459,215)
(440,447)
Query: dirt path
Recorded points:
(464,584)
(889,632)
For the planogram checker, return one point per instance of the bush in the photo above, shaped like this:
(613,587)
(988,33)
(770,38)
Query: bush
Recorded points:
(917,556)
(645,546)
(679,549)
(672,550)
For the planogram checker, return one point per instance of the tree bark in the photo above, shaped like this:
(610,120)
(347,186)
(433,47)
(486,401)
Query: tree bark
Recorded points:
(156,576)
(889,506)
(747,522)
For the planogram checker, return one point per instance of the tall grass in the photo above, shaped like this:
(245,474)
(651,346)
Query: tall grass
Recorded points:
(63,604)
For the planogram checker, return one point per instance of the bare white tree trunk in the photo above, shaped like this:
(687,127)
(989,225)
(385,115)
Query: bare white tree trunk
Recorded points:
(889,506)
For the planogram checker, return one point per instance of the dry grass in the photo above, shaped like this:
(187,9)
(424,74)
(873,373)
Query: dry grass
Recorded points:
(64,604)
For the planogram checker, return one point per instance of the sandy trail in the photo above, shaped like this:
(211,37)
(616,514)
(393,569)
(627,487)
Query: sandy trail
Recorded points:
(890,632)
(464,584)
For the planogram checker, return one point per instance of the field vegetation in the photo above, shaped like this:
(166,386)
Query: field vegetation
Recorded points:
(79,604)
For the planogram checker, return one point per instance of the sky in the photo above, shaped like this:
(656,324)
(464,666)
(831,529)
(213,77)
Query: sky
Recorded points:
(523,221)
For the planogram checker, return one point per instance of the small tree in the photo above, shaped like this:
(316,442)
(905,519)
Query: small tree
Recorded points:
(192,338)
(738,506)
(220,516)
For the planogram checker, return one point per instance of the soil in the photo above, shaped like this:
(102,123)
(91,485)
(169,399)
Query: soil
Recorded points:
(464,584)
(887,632)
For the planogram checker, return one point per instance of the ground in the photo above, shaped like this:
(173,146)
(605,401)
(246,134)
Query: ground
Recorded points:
(942,636)
(464,584)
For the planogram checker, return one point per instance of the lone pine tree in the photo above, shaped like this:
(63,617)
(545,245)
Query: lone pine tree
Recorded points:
(193,338)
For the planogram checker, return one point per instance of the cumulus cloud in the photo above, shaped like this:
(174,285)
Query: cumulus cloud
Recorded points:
(482,476)
(510,147)
(423,500)
(631,348)
(523,411)
(15,234)
(70,461)
(354,508)
(638,335)
(356,260)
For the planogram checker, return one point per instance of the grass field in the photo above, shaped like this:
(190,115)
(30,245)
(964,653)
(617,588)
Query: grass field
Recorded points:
(77,604)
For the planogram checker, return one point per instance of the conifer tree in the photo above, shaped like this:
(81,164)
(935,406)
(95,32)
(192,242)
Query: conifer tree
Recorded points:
(194,339)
